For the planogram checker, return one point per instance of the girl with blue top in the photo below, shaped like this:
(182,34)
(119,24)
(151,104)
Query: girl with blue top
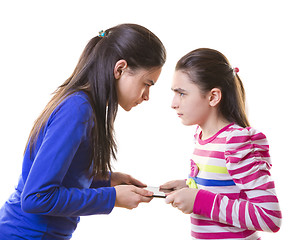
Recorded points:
(66,171)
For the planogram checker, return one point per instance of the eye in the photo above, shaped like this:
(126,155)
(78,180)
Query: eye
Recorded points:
(181,94)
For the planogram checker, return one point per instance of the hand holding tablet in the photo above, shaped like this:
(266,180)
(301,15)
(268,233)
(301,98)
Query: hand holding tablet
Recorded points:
(159,192)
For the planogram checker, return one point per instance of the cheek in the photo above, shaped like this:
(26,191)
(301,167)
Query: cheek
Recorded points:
(136,92)
(197,111)
(133,95)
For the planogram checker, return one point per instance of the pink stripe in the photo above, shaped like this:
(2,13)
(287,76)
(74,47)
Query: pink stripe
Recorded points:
(242,215)
(269,222)
(202,222)
(264,198)
(255,154)
(215,216)
(245,146)
(212,154)
(269,185)
(253,217)
(275,213)
(204,202)
(222,235)
(258,136)
(243,195)
(252,177)
(239,139)
(246,167)
(229,210)
(219,140)
(246,138)
(232,159)
(231,195)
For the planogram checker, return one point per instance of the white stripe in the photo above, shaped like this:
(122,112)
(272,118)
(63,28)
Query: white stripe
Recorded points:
(206,160)
(224,189)
(215,229)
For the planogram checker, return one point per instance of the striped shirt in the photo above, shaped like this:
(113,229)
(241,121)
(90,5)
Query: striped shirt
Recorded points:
(237,196)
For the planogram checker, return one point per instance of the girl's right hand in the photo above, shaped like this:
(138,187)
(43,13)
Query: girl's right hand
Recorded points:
(129,196)
(174,185)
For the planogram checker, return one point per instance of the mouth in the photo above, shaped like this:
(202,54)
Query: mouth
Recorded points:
(179,114)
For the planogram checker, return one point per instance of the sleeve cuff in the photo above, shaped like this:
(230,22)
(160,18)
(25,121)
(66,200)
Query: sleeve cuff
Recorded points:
(107,202)
(204,202)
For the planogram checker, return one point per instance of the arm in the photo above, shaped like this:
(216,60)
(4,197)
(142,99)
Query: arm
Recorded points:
(248,163)
(97,183)
(43,191)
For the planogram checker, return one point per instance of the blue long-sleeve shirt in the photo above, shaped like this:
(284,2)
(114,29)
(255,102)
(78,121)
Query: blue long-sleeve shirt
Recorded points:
(55,187)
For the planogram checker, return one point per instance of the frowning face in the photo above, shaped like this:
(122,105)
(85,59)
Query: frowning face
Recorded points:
(190,104)
(133,86)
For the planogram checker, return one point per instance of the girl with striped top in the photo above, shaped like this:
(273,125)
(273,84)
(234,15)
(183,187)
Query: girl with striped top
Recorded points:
(229,192)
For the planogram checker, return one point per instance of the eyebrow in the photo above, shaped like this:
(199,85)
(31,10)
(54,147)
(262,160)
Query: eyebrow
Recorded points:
(179,90)
(151,82)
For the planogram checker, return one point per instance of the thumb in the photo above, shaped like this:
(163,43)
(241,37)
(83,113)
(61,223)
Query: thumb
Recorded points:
(167,185)
(143,192)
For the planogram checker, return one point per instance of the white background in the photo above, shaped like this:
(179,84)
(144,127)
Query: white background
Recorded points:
(41,42)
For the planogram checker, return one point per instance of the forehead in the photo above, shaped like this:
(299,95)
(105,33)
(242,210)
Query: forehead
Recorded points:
(142,72)
(182,80)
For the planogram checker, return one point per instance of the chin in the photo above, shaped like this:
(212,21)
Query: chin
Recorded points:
(126,108)
(187,123)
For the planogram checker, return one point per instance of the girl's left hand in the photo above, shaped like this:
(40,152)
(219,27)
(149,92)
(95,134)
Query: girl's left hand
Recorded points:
(118,178)
(183,199)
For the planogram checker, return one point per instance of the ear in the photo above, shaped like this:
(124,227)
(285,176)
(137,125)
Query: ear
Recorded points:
(119,67)
(215,97)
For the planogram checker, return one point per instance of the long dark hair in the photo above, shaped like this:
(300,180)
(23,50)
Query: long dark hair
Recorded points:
(210,69)
(94,75)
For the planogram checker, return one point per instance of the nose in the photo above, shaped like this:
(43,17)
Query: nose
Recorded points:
(146,94)
(174,103)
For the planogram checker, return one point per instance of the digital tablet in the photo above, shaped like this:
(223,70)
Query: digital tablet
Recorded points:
(157,192)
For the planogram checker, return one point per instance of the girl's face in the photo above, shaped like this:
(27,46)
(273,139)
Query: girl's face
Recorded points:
(190,104)
(133,86)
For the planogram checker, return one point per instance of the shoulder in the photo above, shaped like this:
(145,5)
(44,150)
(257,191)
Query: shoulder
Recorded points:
(75,106)
(76,99)
(242,143)
(237,134)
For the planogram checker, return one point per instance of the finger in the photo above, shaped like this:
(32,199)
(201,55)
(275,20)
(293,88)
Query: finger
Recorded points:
(146,199)
(167,185)
(143,192)
(169,199)
(136,182)
(169,193)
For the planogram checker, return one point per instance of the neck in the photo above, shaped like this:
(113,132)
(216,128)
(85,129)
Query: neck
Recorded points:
(212,127)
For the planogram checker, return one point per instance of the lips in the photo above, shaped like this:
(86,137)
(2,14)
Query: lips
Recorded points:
(179,114)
